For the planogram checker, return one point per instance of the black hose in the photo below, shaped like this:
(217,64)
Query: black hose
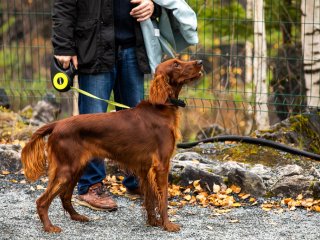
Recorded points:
(258,141)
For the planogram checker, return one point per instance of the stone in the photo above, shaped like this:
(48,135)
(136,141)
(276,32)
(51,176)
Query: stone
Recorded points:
(248,181)
(316,190)
(315,172)
(191,173)
(290,170)
(289,186)
(44,112)
(10,158)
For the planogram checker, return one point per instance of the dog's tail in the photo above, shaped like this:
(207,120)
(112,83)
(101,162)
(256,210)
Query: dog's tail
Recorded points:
(33,154)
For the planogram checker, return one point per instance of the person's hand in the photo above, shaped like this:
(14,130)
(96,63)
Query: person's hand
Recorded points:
(143,11)
(65,61)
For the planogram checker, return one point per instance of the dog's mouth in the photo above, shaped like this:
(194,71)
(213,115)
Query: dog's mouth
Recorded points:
(195,76)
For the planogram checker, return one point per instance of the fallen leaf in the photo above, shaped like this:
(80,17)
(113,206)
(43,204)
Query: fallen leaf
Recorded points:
(316,208)
(5,172)
(235,189)
(245,196)
(236,204)
(40,187)
(234,221)
(187,197)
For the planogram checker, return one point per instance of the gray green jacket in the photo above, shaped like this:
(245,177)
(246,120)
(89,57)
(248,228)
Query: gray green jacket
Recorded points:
(175,31)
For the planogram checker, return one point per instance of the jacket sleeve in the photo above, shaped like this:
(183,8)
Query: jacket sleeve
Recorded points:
(64,16)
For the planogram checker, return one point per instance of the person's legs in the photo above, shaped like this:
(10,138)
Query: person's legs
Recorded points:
(129,90)
(101,86)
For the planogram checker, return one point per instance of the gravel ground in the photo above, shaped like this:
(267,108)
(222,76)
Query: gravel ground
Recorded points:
(18,220)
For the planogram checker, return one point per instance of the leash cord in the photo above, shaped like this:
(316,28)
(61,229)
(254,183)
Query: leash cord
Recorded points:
(95,97)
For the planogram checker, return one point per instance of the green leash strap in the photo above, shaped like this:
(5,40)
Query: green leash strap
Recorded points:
(95,97)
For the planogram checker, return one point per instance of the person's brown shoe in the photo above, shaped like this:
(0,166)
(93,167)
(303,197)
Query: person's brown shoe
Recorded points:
(96,198)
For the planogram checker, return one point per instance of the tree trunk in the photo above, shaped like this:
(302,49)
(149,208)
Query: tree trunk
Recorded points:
(249,72)
(310,39)
(260,67)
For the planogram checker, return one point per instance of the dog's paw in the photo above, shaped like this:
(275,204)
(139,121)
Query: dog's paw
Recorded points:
(52,229)
(80,218)
(154,222)
(171,227)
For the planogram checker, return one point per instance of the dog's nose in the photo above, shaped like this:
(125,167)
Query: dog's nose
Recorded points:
(199,62)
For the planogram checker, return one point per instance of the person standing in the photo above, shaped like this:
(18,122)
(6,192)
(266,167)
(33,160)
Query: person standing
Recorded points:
(103,39)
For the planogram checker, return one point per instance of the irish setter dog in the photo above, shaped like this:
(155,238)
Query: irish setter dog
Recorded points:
(140,140)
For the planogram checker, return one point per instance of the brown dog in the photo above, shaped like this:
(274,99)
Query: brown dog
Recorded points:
(141,140)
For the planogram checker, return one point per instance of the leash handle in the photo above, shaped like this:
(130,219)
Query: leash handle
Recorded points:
(95,97)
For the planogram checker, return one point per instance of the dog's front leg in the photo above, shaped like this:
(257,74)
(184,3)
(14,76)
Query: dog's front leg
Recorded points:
(162,175)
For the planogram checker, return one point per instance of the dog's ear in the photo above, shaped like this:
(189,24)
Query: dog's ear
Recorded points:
(159,89)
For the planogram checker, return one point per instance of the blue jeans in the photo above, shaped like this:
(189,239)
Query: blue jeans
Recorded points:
(126,82)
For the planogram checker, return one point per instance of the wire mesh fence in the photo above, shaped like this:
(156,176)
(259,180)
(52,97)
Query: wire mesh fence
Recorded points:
(261,61)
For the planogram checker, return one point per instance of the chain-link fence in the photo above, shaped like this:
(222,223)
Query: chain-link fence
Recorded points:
(261,61)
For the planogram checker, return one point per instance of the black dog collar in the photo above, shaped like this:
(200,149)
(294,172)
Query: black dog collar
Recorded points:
(177,102)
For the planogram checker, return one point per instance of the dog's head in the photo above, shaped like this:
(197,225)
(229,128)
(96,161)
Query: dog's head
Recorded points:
(169,78)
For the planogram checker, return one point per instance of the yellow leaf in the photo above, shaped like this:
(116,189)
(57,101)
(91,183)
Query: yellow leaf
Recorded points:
(187,190)
(235,189)
(316,208)
(266,209)
(187,197)
(245,196)
(5,172)
(173,203)
(196,183)
(228,191)
(287,200)
(236,204)
(299,197)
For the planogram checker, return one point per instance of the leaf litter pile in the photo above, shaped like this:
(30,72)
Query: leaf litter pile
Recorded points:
(221,200)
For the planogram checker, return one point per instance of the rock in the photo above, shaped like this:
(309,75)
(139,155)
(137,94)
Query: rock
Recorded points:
(290,170)
(289,186)
(264,172)
(44,112)
(248,181)
(190,173)
(188,156)
(316,190)
(190,166)
(314,172)
(10,157)
(227,167)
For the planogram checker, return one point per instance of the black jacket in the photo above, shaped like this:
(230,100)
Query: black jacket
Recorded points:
(87,30)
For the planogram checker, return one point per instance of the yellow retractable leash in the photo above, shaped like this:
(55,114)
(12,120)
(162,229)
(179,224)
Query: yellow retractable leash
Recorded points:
(62,81)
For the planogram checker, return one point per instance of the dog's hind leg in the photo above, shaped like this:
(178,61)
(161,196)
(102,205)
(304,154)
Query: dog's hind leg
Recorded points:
(44,201)
(150,200)
(65,197)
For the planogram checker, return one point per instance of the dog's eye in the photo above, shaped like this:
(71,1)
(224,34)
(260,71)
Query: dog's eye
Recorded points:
(175,64)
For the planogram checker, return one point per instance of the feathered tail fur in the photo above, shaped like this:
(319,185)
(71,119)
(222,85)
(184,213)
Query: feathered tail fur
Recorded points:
(33,154)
